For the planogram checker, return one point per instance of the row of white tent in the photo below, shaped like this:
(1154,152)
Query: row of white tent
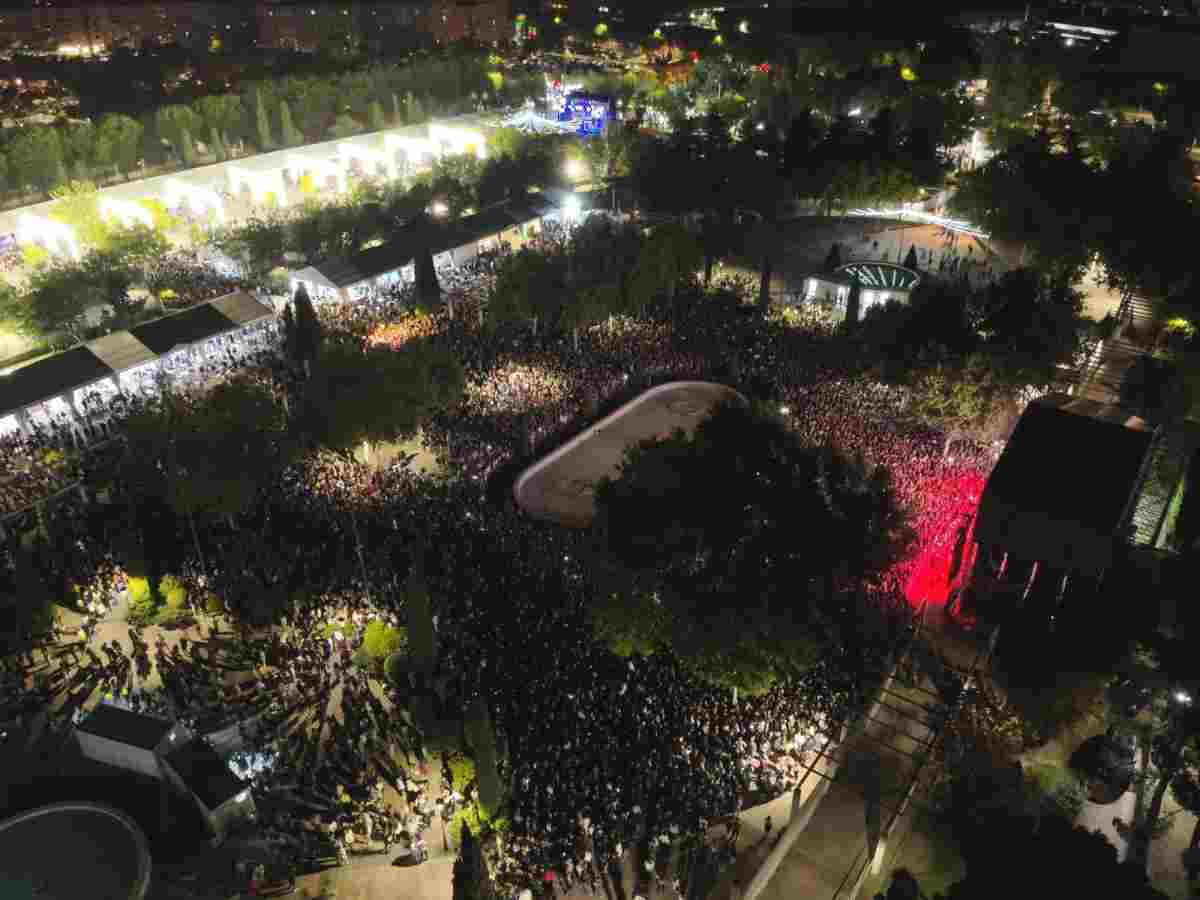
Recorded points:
(267,178)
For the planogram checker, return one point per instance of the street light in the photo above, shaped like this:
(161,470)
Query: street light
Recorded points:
(574,169)
(572,207)
(1183,697)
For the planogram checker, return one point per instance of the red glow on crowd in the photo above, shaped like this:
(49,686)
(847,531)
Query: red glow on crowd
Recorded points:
(945,528)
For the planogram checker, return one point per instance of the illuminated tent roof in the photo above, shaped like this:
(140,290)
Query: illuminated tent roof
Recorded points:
(1061,491)
(121,350)
(881,275)
(530,122)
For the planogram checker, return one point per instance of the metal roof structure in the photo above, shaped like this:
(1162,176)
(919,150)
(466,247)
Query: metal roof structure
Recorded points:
(50,377)
(104,357)
(438,237)
(1061,492)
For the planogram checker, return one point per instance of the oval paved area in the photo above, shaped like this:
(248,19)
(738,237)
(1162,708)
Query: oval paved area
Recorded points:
(561,486)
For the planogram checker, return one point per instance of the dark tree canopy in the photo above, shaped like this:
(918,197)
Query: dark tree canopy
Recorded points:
(733,547)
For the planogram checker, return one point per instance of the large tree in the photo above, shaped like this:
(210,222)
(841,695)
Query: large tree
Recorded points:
(358,395)
(1041,198)
(35,158)
(733,547)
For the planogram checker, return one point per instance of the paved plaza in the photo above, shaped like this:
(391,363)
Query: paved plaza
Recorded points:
(561,487)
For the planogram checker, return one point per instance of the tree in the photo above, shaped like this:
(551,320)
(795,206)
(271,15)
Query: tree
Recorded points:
(1041,198)
(27,603)
(524,289)
(118,139)
(668,255)
(77,203)
(303,333)
(1030,324)
(58,301)
(589,306)
(481,739)
(376,121)
(217,145)
(468,868)
(187,148)
(345,126)
(428,290)
(220,112)
(833,259)
(35,158)
(174,124)
(692,555)
(262,124)
(288,133)
(961,397)
(608,154)
(1153,699)
(79,148)
(801,138)
(358,396)
(258,244)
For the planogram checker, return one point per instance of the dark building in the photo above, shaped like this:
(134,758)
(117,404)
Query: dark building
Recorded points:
(1057,512)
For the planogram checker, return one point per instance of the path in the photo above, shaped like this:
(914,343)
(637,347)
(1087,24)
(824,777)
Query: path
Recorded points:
(826,857)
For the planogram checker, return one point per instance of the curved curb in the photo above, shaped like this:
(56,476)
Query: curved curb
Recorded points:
(141,850)
(556,454)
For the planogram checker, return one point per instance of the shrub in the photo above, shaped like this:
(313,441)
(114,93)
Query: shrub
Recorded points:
(143,605)
(381,640)
(462,772)
(1060,791)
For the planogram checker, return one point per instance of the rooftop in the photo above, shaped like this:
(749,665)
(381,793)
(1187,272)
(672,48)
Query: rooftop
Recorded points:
(50,377)
(205,773)
(134,729)
(1063,484)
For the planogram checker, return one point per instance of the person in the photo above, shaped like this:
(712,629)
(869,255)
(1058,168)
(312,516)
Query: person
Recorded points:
(767,826)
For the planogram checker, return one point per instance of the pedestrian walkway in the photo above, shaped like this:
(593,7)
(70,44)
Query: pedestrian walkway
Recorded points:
(828,855)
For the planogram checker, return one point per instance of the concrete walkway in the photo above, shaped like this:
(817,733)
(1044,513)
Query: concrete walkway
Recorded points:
(826,857)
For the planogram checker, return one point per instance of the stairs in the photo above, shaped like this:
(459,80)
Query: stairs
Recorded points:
(1101,381)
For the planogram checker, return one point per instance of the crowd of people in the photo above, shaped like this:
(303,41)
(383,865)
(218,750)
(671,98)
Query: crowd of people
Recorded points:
(602,751)
(181,278)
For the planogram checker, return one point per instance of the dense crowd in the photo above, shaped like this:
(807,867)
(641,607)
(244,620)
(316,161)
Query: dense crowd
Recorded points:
(182,277)
(602,751)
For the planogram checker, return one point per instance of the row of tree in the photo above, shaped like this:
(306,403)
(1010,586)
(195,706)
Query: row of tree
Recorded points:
(263,115)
